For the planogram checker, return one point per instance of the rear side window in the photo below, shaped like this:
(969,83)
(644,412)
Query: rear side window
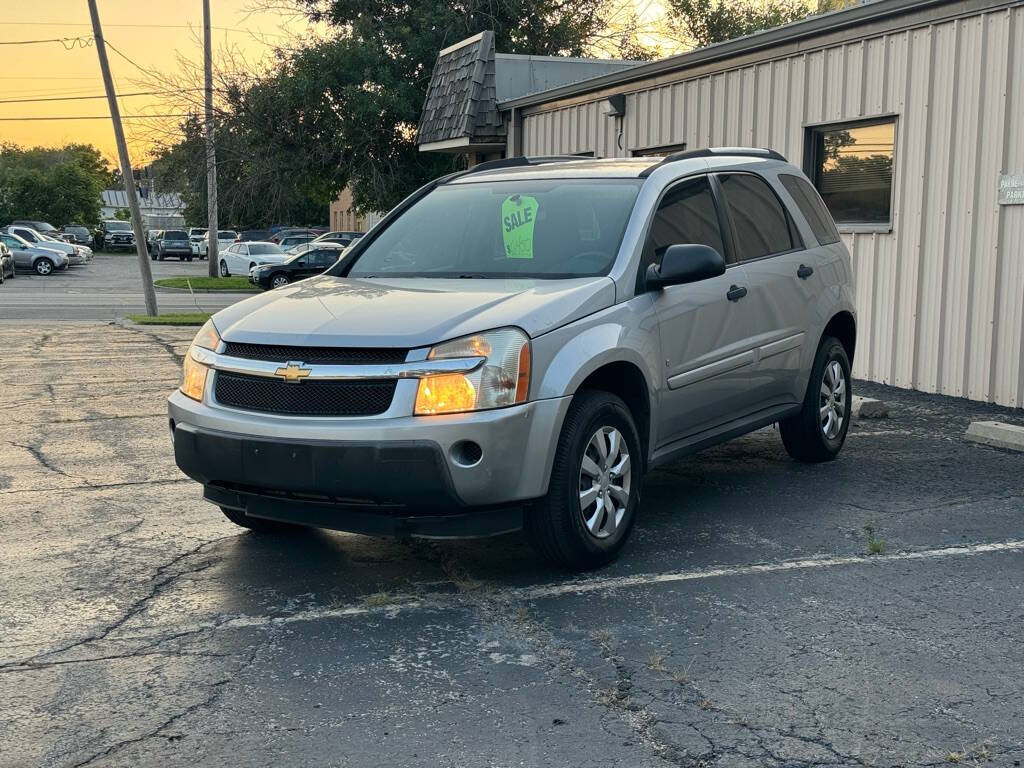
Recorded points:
(810,205)
(761,223)
(686,215)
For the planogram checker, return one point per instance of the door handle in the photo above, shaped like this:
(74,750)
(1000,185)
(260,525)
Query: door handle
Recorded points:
(804,272)
(736,292)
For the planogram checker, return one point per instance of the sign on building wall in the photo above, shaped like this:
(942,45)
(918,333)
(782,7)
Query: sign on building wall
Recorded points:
(1011,189)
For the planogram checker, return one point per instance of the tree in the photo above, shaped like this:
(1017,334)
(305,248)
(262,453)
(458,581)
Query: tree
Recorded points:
(59,185)
(343,110)
(714,21)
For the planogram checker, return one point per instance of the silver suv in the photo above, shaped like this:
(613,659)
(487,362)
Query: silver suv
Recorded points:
(514,346)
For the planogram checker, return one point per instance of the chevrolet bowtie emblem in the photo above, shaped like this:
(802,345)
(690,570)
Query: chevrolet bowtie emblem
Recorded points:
(293,372)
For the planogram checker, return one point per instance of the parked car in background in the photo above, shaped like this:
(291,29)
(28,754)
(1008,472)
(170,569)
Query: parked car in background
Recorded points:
(172,242)
(345,238)
(76,254)
(316,259)
(77,234)
(6,263)
(114,235)
(225,237)
(44,227)
(240,258)
(292,231)
(291,241)
(31,257)
(249,235)
(152,236)
(195,236)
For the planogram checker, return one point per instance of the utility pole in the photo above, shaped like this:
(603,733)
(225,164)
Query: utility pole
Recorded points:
(126,164)
(212,257)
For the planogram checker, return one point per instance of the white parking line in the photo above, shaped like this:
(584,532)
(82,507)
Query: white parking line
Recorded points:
(596,584)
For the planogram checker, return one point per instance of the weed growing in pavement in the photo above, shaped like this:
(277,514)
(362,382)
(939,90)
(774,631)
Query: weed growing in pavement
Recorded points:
(656,662)
(876,546)
(378,599)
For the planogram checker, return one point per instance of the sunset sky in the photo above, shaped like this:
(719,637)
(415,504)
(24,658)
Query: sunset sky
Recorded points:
(168,28)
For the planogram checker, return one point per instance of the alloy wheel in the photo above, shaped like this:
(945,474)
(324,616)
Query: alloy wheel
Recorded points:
(604,484)
(278,281)
(832,402)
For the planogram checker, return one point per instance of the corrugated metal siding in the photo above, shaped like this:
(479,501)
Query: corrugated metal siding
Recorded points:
(940,296)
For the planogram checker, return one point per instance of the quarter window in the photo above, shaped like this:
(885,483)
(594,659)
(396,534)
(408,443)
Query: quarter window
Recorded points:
(851,166)
(687,214)
(761,223)
(810,205)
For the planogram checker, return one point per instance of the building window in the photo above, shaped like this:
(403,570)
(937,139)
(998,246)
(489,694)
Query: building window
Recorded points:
(851,166)
(660,151)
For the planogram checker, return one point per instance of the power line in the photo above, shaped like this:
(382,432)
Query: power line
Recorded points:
(97,96)
(93,117)
(67,42)
(142,26)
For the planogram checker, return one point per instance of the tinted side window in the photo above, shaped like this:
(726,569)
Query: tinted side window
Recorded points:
(762,225)
(810,205)
(687,214)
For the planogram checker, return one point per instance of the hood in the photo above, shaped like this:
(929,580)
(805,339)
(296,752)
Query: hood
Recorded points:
(408,312)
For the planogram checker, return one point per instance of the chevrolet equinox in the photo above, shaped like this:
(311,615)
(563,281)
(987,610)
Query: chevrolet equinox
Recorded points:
(515,345)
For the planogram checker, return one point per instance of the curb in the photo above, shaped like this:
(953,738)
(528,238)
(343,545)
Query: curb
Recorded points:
(998,434)
(169,289)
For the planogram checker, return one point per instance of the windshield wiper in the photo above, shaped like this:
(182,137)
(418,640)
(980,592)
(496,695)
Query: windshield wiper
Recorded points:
(473,276)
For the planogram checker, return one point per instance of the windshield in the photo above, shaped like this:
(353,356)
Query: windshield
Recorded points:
(545,228)
(175,234)
(76,230)
(226,234)
(118,226)
(262,249)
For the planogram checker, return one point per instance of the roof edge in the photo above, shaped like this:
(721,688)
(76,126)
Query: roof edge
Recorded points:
(788,33)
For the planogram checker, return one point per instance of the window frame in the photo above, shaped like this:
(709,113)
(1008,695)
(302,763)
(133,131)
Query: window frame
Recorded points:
(810,166)
(795,236)
(724,231)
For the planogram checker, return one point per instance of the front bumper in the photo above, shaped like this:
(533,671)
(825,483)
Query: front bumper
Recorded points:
(399,475)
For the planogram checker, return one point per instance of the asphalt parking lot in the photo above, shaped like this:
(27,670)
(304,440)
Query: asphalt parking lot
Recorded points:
(746,624)
(106,288)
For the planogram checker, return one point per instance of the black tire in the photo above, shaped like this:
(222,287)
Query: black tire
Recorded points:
(43,267)
(258,524)
(555,525)
(278,276)
(804,435)
(160,257)
(224,269)
(188,258)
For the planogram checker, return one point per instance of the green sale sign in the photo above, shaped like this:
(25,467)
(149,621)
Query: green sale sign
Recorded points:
(518,216)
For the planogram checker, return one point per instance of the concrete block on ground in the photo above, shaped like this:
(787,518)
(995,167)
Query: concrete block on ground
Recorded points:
(869,408)
(997,433)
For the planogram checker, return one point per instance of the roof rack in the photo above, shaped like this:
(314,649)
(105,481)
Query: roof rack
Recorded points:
(518,162)
(766,154)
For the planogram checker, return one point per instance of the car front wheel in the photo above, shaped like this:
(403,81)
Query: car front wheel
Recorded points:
(278,280)
(44,267)
(818,431)
(594,491)
(224,269)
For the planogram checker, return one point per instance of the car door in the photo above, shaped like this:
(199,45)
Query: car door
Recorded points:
(782,283)
(237,258)
(706,328)
(22,257)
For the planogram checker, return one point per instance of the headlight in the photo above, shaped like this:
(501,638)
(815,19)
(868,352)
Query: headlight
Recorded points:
(503,379)
(194,382)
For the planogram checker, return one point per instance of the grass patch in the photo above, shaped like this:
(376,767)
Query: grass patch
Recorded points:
(200,283)
(176,318)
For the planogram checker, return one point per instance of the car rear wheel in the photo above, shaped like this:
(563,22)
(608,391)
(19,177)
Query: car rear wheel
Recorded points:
(818,431)
(224,269)
(594,491)
(44,267)
(278,279)
(258,524)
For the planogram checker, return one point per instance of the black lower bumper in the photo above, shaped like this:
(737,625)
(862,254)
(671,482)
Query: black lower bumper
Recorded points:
(387,488)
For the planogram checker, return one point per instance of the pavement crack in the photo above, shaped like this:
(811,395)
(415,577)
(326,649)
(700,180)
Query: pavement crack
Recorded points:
(44,461)
(167,346)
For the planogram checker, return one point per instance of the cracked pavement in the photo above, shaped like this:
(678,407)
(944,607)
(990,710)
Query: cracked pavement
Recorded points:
(139,627)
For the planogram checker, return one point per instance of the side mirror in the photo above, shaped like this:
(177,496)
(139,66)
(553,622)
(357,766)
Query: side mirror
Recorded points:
(685,264)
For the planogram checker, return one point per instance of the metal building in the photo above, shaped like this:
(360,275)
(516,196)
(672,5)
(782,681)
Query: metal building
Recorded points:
(908,115)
